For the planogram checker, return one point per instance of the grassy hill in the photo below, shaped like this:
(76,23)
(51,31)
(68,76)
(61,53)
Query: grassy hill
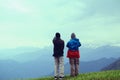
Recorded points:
(103,75)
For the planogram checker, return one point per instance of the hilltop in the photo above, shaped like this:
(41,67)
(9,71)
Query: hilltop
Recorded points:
(103,75)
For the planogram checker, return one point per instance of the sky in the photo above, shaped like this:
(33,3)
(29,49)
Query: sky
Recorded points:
(35,22)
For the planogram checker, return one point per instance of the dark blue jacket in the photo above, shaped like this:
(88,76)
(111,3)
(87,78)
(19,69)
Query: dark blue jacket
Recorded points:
(74,44)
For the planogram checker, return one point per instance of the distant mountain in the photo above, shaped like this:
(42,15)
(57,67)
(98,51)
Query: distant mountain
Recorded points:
(26,63)
(14,52)
(25,54)
(37,68)
(42,67)
(107,51)
(113,66)
(36,62)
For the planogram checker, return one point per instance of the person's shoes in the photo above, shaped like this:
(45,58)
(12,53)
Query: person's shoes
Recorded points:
(76,74)
(55,78)
(61,78)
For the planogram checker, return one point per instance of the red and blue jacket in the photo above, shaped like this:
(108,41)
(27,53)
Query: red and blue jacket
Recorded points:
(73,48)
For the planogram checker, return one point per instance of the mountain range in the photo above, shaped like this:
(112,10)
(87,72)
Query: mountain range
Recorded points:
(36,62)
(113,66)
(25,54)
(39,68)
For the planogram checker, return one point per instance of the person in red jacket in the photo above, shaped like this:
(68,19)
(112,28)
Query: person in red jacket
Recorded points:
(58,57)
(73,54)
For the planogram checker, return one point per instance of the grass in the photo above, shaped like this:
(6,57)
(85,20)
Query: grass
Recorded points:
(103,75)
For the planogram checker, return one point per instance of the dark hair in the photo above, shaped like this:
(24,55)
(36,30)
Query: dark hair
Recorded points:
(57,35)
(73,35)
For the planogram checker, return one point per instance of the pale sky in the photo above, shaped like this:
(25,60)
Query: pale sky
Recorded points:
(34,22)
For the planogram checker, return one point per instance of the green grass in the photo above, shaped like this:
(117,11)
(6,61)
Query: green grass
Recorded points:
(104,75)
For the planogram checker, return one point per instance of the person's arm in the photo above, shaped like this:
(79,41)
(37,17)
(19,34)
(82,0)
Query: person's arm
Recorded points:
(67,44)
(79,44)
(54,40)
(63,45)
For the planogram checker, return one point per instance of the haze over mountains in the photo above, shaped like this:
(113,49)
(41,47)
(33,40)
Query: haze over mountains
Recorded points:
(24,54)
(35,62)
(113,66)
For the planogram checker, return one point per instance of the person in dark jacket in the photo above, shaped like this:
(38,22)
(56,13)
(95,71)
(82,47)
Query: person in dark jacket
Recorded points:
(58,56)
(73,54)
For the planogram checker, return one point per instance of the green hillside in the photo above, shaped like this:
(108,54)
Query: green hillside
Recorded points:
(104,75)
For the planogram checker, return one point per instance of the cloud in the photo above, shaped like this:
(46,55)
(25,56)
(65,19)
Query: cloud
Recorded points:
(15,5)
(94,21)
